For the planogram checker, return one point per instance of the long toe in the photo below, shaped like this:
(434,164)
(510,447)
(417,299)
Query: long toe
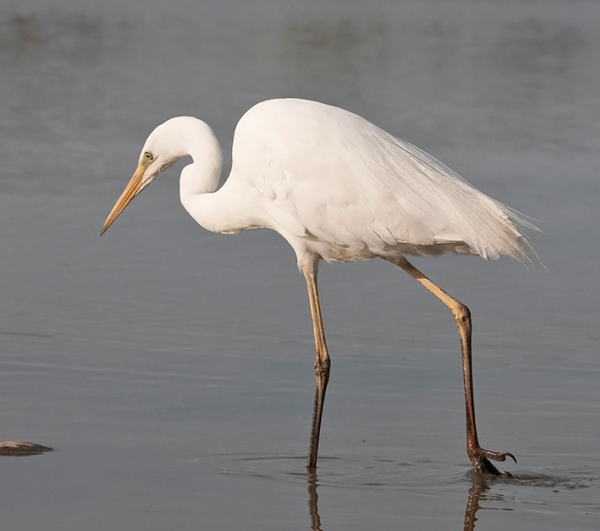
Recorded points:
(497,456)
(481,461)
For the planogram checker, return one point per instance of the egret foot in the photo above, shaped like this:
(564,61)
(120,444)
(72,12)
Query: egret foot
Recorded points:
(481,460)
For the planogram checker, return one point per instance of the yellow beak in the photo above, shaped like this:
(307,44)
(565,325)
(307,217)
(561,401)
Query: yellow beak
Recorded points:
(131,190)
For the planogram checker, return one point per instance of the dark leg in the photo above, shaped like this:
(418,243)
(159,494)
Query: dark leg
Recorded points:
(479,457)
(322,363)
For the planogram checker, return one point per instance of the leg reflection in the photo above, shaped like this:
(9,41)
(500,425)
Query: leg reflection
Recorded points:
(313,502)
(479,485)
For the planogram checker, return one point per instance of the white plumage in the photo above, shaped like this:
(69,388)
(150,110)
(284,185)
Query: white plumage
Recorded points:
(336,185)
(337,188)
(348,190)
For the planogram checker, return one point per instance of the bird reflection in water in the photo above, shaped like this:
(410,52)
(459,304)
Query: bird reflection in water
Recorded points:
(313,501)
(480,484)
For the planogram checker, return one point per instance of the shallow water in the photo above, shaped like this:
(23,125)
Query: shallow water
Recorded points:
(171,369)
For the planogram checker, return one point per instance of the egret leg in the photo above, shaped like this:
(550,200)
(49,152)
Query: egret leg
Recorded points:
(462,315)
(322,362)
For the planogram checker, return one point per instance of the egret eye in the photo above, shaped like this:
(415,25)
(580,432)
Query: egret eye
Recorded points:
(148,157)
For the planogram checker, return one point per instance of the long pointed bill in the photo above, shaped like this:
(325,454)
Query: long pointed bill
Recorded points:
(133,188)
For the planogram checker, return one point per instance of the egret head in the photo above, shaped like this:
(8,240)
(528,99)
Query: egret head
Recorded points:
(162,149)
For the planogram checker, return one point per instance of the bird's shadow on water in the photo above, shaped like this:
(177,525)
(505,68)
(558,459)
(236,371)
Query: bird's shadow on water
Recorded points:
(483,491)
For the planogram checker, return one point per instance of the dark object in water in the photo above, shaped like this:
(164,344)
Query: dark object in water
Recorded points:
(21,448)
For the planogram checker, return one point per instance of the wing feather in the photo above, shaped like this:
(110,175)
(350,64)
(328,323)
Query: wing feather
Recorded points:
(348,184)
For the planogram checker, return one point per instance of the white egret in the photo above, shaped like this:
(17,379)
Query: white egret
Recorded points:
(337,188)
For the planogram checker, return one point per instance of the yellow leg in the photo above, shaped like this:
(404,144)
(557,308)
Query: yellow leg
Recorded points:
(322,362)
(462,315)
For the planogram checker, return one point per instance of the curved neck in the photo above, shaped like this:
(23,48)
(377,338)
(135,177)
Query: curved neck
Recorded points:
(202,176)
(217,210)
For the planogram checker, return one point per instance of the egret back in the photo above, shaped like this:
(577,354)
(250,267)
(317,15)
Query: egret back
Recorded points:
(333,182)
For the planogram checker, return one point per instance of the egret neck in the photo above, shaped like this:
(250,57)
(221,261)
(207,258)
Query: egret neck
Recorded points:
(216,209)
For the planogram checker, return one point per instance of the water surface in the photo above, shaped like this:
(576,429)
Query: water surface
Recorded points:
(171,369)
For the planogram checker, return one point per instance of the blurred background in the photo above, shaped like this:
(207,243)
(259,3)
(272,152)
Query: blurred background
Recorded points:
(171,368)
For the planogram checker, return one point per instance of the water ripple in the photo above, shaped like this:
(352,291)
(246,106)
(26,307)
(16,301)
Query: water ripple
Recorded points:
(359,471)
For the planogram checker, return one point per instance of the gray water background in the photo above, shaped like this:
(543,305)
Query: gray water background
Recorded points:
(171,368)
